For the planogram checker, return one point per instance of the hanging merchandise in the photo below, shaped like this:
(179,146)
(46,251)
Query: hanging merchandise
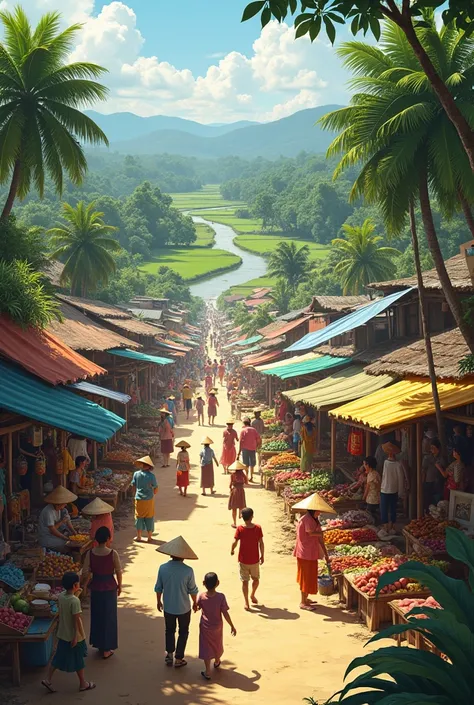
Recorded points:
(25,504)
(40,463)
(68,463)
(14,508)
(355,443)
(59,463)
(37,436)
(21,465)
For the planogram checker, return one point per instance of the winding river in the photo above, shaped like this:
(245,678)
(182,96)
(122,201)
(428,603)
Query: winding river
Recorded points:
(252,265)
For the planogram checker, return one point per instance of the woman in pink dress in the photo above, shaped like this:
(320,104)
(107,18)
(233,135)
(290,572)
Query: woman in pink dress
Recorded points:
(229,451)
(182,468)
(238,480)
(212,405)
(213,606)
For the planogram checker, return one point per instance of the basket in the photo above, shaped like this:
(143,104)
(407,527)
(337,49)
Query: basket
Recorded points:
(326,585)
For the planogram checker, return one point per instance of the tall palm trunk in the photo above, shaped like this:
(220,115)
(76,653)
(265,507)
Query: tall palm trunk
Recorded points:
(466,209)
(15,182)
(425,328)
(450,293)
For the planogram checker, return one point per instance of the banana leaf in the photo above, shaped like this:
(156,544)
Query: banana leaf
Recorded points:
(462,549)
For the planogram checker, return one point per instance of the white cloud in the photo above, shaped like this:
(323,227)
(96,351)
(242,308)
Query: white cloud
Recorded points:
(279,76)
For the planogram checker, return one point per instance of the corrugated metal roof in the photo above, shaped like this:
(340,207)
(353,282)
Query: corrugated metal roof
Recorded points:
(149,314)
(24,394)
(135,355)
(285,328)
(255,360)
(82,333)
(325,362)
(43,354)
(347,323)
(89,388)
(249,341)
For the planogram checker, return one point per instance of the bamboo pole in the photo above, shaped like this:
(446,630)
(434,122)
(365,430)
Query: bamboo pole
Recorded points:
(419,460)
(333,446)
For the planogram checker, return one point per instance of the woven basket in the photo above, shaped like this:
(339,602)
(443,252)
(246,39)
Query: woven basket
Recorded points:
(326,585)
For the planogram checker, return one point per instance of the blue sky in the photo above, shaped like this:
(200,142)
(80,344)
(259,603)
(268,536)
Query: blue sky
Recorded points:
(195,59)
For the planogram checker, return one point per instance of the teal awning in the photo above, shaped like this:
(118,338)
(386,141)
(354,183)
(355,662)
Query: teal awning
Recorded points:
(247,351)
(143,357)
(28,396)
(326,362)
(247,341)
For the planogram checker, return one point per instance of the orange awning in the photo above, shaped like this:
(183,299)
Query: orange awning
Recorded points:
(43,354)
(254,360)
(285,328)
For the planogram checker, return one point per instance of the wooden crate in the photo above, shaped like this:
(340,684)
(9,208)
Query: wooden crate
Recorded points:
(412,637)
(374,611)
(279,487)
(5,630)
(269,482)
(414,545)
(348,504)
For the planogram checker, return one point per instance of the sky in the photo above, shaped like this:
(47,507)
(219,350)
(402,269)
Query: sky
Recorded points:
(195,59)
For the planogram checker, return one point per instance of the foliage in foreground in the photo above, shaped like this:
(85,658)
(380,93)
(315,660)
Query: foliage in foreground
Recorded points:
(24,295)
(407,676)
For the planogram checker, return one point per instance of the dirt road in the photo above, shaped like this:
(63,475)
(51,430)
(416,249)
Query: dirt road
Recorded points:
(280,654)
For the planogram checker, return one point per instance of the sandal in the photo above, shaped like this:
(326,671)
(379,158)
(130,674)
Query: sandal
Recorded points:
(205,676)
(308,608)
(109,656)
(48,686)
(181,663)
(169,660)
(217,665)
(90,686)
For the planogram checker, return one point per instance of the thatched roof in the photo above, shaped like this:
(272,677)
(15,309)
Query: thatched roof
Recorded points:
(456,267)
(410,360)
(53,271)
(96,308)
(134,325)
(81,333)
(337,303)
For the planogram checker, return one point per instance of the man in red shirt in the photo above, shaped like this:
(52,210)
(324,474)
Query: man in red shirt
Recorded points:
(251,554)
(250,440)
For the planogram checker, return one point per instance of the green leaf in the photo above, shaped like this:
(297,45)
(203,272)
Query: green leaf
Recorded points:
(462,549)
(375,27)
(303,29)
(266,16)
(293,4)
(303,18)
(355,25)
(315,28)
(330,29)
(252,9)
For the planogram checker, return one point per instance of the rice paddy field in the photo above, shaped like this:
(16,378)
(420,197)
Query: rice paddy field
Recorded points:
(205,235)
(191,262)
(208,197)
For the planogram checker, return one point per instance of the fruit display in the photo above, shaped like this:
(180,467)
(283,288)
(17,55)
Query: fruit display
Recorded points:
(145,410)
(12,576)
(24,562)
(4,598)
(334,537)
(268,416)
(369,552)
(283,460)
(312,484)
(427,527)
(352,519)
(289,475)
(345,564)
(337,493)
(15,620)
(120,456)
(367,582)
(409,604)
(79,538)
(54,565)
(435,545)
(19,604)
(275,446)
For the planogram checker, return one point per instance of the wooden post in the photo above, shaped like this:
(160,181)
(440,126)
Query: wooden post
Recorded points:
(333,445)
(94,454)
(419,460)
(10,465)
(318,441)
(367,442)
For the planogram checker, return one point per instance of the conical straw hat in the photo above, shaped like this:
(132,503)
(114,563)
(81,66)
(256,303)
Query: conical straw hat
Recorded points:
(237,466)
(60,495)
(182,444)
(316,503)
(164,410)
(206,441)
(230,422)
(97,507)
(172,397)
(146,460)
(178,548)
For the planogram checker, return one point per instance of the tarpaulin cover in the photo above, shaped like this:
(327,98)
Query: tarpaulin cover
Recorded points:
(403,402)
(101,391)
(295,360)
(143,357)
(29,396)
(255,360)
(44,354)
(245,341)
(341,387)
(350,322)
(320,364)
(285,328)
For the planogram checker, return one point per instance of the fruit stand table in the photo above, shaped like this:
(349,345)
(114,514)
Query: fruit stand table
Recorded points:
(111,498)
(414,638)
(38,632)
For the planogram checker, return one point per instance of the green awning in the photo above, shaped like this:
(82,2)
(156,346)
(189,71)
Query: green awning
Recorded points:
(247,341)
(143,357)
(247,351)
(28,396)
(320,364)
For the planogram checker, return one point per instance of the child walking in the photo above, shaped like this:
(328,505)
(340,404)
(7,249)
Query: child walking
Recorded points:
(213,606)
(238,480)
(71,649)
(200,404)
(182,468)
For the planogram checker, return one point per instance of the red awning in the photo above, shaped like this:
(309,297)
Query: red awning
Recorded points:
(285,328)
(43,354)
(254,360)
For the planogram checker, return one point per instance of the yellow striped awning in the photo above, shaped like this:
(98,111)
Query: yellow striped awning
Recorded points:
(404,402)
(295,360)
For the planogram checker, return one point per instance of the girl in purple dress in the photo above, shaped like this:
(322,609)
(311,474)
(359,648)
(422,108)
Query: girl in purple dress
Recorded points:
(213,606)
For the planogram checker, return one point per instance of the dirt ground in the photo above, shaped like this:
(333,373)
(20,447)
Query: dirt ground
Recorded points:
(280,654)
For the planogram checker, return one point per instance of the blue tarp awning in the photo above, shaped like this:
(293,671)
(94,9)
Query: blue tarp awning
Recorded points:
(101,391)
(28,396)
(143,357)
(347,323)
(325,362)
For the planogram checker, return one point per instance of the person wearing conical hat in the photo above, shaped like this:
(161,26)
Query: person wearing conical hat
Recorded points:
(174,586)
(212,404)
(166,433)
(183,467)
(229,450)
(310,547)
(54,522)
(146,487)
(199,405)
(170,404)
(100,514)
(207,458)
(238,480)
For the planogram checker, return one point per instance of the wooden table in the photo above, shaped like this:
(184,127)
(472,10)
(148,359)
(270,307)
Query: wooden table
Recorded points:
(413,637)
(15,641)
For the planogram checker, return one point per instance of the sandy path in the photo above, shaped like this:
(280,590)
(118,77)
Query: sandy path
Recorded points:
(280,654)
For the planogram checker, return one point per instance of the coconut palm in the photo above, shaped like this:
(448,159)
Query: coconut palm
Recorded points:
(361,259)
(397,129)
(281,295)
(40,93)
(289,262)
(84,244)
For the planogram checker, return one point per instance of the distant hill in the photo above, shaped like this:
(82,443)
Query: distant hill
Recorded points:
(128,126)
(286,137)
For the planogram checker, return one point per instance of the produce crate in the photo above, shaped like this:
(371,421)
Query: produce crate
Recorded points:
(413,638)
(269,482)
(116,465)
(374,611)
(414,545)
(39,613)
(270,453)
(5,630)
(279,487)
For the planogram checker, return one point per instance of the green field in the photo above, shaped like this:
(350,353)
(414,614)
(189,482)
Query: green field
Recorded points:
(247,288)
(191,262)
(205,235)
(208,197)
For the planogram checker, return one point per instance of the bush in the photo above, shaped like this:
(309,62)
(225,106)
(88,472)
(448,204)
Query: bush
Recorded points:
(25,295)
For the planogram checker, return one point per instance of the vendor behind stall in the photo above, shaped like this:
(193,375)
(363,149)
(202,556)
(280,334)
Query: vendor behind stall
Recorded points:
(54,520)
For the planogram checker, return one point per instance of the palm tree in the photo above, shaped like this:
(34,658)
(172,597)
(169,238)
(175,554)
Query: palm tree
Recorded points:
(40,123)
(290,263)
(83,243)
(397,129)
(361,260)
(281,295)
(257,320)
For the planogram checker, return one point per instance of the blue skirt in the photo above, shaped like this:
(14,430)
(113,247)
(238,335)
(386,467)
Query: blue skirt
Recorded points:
(104,619)
(69,659)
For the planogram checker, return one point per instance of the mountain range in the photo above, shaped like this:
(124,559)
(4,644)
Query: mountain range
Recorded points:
(132,134)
